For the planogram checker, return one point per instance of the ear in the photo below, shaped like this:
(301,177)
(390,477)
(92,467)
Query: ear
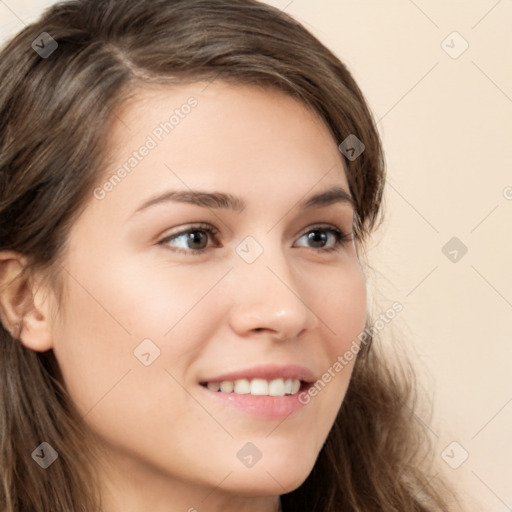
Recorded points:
(24,307)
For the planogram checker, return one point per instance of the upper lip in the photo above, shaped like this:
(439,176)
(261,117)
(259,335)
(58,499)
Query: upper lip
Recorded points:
(268,372)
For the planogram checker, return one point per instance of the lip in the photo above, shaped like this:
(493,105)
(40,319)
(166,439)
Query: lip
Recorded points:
(263,406)
(267,372)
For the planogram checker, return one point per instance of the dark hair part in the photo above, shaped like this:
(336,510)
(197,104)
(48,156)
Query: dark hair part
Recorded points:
(55,115)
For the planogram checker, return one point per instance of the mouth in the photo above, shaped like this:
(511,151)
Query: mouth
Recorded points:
(266,391)
(259,387)
(274,399)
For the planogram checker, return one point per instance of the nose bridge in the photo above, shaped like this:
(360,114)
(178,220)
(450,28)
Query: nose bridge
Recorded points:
(268,295)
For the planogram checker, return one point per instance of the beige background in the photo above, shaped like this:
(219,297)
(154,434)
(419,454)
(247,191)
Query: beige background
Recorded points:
(446,123)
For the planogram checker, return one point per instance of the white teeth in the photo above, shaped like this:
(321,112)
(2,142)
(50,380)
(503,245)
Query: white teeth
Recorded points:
(242,387)
(276,387)
(258,387)
(226,386)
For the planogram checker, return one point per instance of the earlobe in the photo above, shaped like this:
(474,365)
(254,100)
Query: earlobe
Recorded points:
(23,312)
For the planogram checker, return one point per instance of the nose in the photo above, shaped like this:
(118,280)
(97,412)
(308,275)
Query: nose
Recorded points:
(269,297)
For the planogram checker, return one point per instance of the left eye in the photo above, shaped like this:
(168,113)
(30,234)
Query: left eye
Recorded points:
(195,239)
(320,235)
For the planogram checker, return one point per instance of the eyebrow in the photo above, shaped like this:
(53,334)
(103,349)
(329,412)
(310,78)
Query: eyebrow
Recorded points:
(220,200)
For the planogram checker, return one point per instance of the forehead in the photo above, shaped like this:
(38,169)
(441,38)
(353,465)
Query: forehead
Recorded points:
(220,136)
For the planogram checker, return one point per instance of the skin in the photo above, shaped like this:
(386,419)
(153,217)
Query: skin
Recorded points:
(166,446)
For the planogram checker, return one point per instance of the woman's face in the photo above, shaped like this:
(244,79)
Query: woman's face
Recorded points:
(164,294)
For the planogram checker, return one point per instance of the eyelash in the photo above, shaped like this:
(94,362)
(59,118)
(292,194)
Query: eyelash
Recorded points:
(341,238)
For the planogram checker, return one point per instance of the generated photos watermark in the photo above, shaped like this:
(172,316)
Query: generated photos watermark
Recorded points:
(343,360)
(152,140)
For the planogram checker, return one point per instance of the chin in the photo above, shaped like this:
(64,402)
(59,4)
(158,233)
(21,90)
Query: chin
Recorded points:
(272,477)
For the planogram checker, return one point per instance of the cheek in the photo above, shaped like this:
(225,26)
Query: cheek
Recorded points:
(92,343)
(111,312)
(342,307)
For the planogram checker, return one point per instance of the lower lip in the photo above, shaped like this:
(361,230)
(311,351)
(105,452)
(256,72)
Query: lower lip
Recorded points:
(262,406)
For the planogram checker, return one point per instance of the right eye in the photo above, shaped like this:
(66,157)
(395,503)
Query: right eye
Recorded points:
(193,240)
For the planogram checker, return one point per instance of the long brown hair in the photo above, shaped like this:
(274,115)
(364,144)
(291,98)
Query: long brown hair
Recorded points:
(55,113)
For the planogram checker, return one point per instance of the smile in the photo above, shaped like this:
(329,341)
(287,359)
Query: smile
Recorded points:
(257,387)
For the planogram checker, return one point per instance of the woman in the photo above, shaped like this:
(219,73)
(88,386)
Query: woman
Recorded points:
(186,189)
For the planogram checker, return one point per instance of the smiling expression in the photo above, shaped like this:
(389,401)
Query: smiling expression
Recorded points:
(224,255)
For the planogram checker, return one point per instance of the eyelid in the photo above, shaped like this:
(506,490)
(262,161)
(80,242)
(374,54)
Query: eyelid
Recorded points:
(322,225)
